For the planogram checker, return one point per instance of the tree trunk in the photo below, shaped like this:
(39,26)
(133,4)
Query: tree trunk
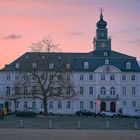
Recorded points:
(45,106)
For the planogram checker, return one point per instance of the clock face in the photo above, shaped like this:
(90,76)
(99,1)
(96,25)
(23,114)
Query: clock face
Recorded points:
(102,45)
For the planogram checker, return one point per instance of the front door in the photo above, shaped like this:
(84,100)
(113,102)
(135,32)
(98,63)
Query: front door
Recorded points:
(113,107)
(103,106)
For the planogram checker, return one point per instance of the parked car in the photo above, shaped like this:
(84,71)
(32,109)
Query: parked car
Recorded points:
(108,113)
(85,113)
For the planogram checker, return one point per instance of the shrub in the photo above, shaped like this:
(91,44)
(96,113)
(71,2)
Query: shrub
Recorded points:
(27,114)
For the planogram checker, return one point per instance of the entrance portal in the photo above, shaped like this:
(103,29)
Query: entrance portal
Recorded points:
(103,106)
(113,107)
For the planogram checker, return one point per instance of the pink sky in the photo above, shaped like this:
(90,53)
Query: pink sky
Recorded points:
(70,23)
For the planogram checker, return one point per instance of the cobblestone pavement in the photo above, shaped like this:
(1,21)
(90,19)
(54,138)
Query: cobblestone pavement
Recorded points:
(69,134)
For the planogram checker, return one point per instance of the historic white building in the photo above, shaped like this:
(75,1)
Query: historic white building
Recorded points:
(104,79)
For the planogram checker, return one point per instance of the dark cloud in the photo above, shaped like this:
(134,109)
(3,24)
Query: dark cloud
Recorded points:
(12,36)
(77,33)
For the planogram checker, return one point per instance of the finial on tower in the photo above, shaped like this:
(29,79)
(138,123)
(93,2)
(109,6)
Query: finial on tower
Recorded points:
(101,12)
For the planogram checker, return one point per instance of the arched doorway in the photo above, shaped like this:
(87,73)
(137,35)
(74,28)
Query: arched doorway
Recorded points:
(103,106)
(113,107)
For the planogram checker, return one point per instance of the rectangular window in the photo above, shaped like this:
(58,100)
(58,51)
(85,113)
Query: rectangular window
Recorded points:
(34,104)
(133,90)
(68,104)
(124,103)
(112,77)
(90,90)
(16,90)
(90,77)
(59,90)
(81,77)
(17,104)
(50,104)
(25,104)
(133,103)
(34,89)
(81,90)
(8,77)
(123,77)
(25,89)
(102,77)
(8,90)
(81,105)
(91,105)
(133,77)
(59,104)
(124,90)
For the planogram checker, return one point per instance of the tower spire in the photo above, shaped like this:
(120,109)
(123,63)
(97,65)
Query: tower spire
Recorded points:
(101,12)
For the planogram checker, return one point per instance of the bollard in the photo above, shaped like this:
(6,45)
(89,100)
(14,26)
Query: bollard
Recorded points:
(21,124)
(79,124)
(50,124)
(107,124)
(135,125)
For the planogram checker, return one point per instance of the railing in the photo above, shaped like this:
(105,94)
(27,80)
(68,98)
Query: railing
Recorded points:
(108,97)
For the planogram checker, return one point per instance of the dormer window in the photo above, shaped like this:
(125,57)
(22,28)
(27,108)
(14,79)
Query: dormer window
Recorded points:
(128,65)
(34,65)
(106,62)
(51,66)
(43,57)
(27,57)
(86,65)
(17,65)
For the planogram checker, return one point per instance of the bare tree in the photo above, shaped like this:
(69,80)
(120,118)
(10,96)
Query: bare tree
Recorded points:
(50,82)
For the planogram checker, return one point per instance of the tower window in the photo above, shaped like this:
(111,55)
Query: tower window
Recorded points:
(105,54)
(106,62)
(86,65)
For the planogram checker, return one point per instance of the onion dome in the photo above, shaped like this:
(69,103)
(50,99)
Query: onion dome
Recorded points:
(101,24)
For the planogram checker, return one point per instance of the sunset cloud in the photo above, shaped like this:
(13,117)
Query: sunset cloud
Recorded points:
(12,36)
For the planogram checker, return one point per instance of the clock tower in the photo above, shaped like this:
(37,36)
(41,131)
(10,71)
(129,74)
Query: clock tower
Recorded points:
(101,42)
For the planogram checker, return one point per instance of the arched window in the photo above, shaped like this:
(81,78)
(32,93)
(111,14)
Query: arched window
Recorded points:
(112,91)
(103,91)
(51,66)
(17,65)
(128,65)
(34,65)
(86,65)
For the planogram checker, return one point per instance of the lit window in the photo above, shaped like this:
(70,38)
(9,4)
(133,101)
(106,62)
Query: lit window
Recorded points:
(34,65)
(17,65)
(51,66)
(68,66)
(86,65)
(128,65)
